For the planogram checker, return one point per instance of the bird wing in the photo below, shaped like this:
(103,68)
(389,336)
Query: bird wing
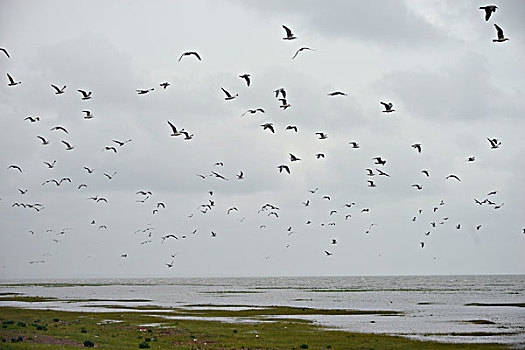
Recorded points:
(226,92)
(10,78)
(196,55)
(173,128)
(500,31)
(5,51)
(288,31)
(56,88)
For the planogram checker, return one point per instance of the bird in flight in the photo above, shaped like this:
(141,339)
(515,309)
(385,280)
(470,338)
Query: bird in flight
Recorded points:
(283,167)
(379,161)
(371,183)
(174,131)
(417,146)
(61,128)
(294,158)
(300,50)
(85,95)
(289,34)
(389,107)
(337,93)
(328,253)
(246,77)
(121,143)
(322,135)
(419,187)
(12,82)
(488,10)
(291,127)
(453,177)
(253,111)
(501,37)
(44,141)
(189,53)
(494,143)
(14,166)
(228,95)
(268,126)
(284,104)
(281,91)
(354,144)
(425,172)
(58,90)
(50,165)
(32,119)
(68,146)
(88,115)
(164,85)
(144,91)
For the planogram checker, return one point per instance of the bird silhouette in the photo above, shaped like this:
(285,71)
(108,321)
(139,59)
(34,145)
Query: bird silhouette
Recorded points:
(289,34)
(58,91)
(12,82)
(190,53)
(246,77)
(489,9)
(501,37)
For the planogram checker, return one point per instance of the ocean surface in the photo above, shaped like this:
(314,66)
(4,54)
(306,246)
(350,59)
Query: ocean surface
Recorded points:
(438,308)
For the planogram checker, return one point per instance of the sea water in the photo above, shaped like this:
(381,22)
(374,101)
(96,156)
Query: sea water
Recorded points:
(438,308)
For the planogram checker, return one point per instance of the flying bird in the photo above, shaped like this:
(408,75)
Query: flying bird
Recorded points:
(121,143)
(144,91)
(240,176)
(488,10)
(494,143)
(31,119)
(337,93)
(283,167)
(291,127)
(419,187)
(322,135)
(61,128)
(281,91)
(389,107)
(453,177)
(164,84)
(68,146)
(379,161)
(371,183)
(354,144)
(328,253)
(85,95)
(294,158)
(58,91)
(50,165)
(253,111)
(174,131)
(189,53)
(425,172)
(268,126)
(228,95)
(88,115)
(501,36)
(14,166)
(246,77)
(12,82)
(319,155)
(417,146)
(44,141)
(289,34)
(284,104)
(300,50)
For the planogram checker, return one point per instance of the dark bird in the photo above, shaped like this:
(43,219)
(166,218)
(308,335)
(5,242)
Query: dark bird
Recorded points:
(22,191)
(281,91)
(328,253)
(389,107)
(246,77)
(284,104)
(291,127)
(231,209)
(110,177)
(478,227)
(50,165)
(218,175)
(228,95)
(379,161)
(494,143)
(334,241)
(458,226)
(371,183)
(491,193)
(422,244)
(14,166)
(283,167)
(174,131)
(80,186)
(488,10)
(213,234)
(471,159)
(189,53)
(425,172)
(121,143)
(501,36)
(61,128)
(319,155)
(240,176)
(88,115)
(31,119)
(5,51)
(337,93)
(268,126)
(289,34)
(294,158)
(354,144)
(300,50)
(322,135)
(12,82)
(419,187)
(327,198)
(164,84)
(144,91)
(253,111)
(85,95)
(453,176)
(144,193)
(89,170)
(58,91)
(382,173)
(110,148)
(44,141)
(170,265)
(314,190)
(417,146)
(68,146)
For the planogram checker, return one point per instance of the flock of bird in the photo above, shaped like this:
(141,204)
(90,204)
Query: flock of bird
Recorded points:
(269,211)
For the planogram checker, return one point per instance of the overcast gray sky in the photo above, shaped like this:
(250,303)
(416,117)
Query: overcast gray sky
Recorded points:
(452,88)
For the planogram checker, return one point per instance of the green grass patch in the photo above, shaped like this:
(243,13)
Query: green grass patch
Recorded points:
(73,329)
